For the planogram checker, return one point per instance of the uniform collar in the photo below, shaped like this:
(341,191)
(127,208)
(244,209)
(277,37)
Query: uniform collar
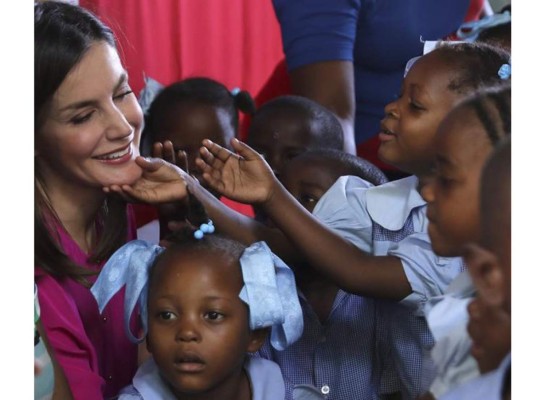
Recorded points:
(391,204)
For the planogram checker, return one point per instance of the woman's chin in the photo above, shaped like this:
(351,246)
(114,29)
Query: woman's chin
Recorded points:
(127,177)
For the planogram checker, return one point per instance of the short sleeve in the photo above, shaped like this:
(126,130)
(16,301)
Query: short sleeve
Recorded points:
(317,30)
(66,335)
(343,209)
(428,274)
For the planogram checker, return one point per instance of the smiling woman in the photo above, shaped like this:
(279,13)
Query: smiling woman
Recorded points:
(87,131)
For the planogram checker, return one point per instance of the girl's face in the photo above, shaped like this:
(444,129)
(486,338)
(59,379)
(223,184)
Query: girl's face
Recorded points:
(279,137)
(198,328)
(410,124)
(308,179)
(91,134)
(187,124)
(452,193)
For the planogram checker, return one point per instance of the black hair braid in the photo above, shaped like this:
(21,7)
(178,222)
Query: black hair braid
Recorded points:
(196,213)
(497,126)
(244,102)
(503,104)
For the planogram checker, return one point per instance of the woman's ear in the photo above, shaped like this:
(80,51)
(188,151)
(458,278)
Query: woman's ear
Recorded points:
(257,338)
(486,274)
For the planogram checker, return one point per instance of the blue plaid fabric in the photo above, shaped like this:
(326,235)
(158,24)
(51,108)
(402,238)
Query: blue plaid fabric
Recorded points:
(336,357)
(391,220)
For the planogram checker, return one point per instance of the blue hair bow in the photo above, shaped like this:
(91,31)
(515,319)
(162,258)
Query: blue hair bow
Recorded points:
(270,292)
(505,71)
(269,289)
(470,30)
(129,266)
(148,93)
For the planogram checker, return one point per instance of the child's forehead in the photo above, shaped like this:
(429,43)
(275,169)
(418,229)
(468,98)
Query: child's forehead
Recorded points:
(198,260)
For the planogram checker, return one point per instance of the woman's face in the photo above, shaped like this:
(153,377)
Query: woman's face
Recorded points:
(90,137)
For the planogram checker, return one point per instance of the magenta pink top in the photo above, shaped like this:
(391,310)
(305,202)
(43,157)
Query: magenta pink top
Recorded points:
(93,350)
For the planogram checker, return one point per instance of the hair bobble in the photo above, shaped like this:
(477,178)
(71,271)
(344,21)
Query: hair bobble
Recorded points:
(505,71)
(204,228)
(235,91)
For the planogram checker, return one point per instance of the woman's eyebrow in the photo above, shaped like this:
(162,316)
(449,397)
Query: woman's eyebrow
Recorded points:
(84,103)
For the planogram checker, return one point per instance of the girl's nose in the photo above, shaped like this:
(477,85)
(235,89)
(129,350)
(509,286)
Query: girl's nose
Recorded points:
(187,331)
(391,109)
(427,189)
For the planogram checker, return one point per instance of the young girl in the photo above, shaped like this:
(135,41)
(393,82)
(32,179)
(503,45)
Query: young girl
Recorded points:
(489,263)
(290,125)
(87,130)
(464,141)
(336,350)
(193,109)
(205,303)
(185,112)
(392,257)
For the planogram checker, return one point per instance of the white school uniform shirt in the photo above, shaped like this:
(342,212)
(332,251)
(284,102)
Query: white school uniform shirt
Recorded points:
(265,378)
(487,386)
(390,219)
(447,317)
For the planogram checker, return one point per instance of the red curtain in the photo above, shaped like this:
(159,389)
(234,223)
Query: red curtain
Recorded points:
(236,42)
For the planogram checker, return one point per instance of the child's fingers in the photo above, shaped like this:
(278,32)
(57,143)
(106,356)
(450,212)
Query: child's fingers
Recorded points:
(157,150)
(202,165)
(168,152)
(206,157)
(244,150)
(214,151)
(149,164)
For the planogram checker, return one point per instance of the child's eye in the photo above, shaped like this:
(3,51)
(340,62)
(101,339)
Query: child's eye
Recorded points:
(80,119)
(444,182)
(308,199)
(415,106)
(166,315)
(214,316)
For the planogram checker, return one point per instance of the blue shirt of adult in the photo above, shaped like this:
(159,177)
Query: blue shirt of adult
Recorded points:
(378,36)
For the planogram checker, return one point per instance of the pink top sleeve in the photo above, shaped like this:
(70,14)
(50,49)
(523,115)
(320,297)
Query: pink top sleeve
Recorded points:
(92,348)
(72,348)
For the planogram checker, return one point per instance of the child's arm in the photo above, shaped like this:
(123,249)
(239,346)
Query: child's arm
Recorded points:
(246,177)
(163,181)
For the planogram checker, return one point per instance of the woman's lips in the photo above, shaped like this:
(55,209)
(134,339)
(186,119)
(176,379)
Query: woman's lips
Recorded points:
(116,157)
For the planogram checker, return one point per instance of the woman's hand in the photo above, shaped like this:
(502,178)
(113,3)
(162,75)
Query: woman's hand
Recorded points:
(242,176)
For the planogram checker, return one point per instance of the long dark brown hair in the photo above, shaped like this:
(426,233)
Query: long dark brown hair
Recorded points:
(63,34)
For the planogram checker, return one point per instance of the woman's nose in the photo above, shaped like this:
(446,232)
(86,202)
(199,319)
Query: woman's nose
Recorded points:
(117,126)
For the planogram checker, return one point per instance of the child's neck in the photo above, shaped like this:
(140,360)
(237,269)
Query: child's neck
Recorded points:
(320,294)
(235,388)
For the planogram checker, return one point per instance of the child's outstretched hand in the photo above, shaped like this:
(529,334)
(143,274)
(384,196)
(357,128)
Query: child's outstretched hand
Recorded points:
(160,182)
(242,176)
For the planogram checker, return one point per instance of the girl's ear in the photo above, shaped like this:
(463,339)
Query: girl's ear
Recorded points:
(486,274)
(257,338)
(147,341)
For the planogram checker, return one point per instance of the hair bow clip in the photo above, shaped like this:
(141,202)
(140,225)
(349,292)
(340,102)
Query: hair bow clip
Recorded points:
(505,71)
(204,228)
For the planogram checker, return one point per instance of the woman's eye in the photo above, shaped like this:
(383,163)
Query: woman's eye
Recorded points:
(80,119)
(214,316)
(122,95)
